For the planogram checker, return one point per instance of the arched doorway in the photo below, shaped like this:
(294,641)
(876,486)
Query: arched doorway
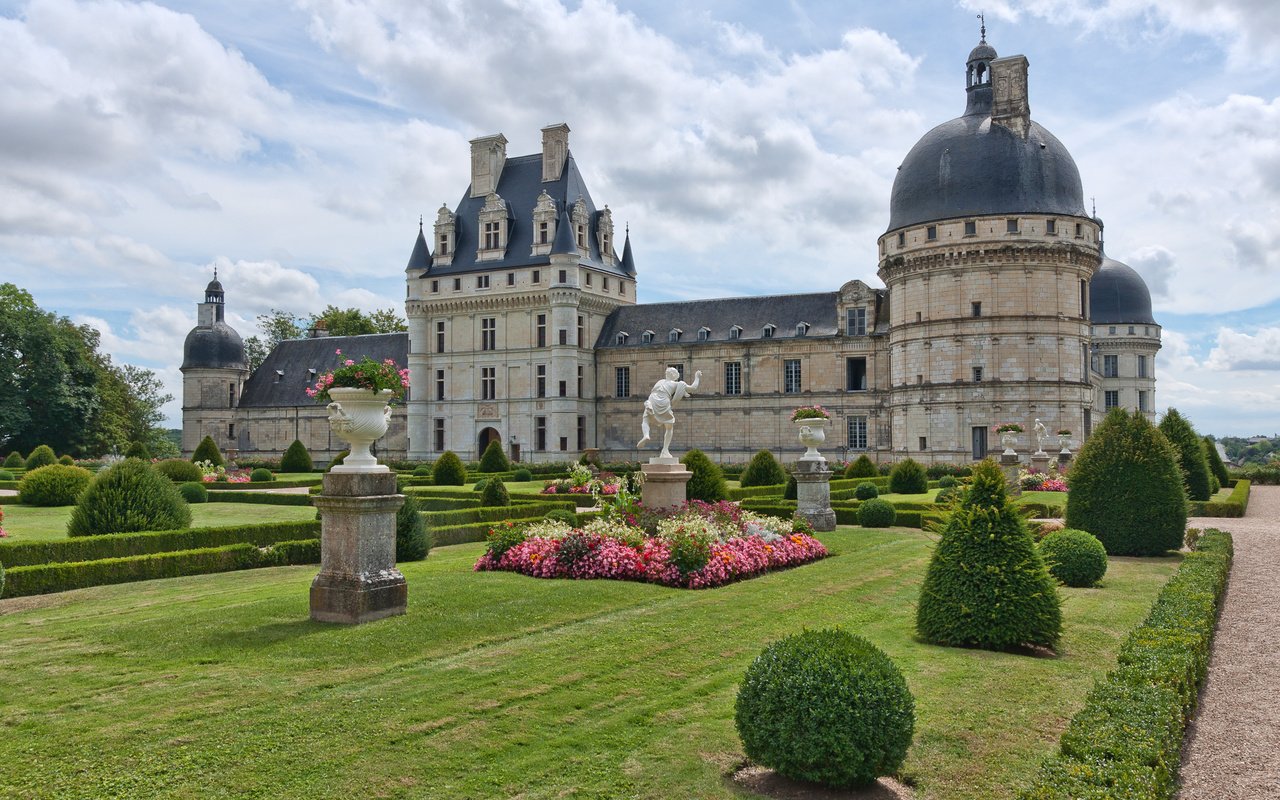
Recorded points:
(486,436)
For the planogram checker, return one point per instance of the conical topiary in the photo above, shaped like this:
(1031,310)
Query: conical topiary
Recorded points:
(493,459)
(14,460)
(42,456)
(495,493)
(207,450)
(908,477)
(127,497)
(707,483)
(862,467)
(448,470)
(1127,488)
(296,458)
(987,585)
(763,470)
(413,542)
(1191,458)
(1216,467)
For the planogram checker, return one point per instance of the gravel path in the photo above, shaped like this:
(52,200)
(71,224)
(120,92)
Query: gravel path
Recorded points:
(1233,746)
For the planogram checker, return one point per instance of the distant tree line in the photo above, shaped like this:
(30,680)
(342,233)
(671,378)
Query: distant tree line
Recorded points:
(1242,452)
(279,325)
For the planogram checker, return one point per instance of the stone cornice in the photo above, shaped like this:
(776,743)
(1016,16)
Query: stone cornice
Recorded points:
(502,302)
(962,258)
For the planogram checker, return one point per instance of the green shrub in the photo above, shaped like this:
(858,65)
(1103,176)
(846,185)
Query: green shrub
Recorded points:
(862,467)
(707,483)
(14,460)
(296,458)
(129,496)
(825,706)
(480,484)
(178,470)
(986,585)
(504,537)
(947,482)
(1214,486)
(6,475)
(494,459)
(522,475)
(1,580)
(877,513)
(563,515)
(1191,456)
(193,492)
(791,492)
(119,545)
(1074,557)
(449,470)
(66,461)
(413,542)
(337,460)
(689,553)
(54,485)
(866,491)
(1127,488)
(495,494)
(47,578)
(422,471)
(207,450)
(42,456)
(139,451)
(947,496)
(908,477)
(261,475)
(763,470)
(1216,467)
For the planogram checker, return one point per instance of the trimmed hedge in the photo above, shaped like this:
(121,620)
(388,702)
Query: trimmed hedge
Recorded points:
(179,470)
(42,456)
(763,471)
(260,498)
(296,458)
(744,492)
(54,485)
(120,545)
(1126,742)
(707,482)
(1234,506)
(471,532)
(448,470)
(128,497)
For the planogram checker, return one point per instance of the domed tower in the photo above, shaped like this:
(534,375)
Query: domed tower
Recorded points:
(987,259)
(214,369)
(1125,337)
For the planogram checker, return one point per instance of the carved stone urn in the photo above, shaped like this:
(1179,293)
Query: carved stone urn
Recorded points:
(359,417)
(1064,439)
(813,432)
(1009,439)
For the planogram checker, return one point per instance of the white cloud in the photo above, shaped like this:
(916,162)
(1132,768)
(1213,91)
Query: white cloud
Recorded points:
(1243,351)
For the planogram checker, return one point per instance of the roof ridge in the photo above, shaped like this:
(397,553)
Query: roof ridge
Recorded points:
(739,297)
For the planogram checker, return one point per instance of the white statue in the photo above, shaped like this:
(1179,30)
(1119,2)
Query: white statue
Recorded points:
(658,407)
(1042,433)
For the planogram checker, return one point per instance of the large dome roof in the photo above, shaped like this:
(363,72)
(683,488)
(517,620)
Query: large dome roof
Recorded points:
(216,347)
(1117,294)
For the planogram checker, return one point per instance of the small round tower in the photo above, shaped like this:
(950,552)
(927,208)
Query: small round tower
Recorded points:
(214,369)
(1126,337)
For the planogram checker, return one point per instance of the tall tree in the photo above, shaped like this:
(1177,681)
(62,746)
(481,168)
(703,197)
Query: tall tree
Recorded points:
(276,326)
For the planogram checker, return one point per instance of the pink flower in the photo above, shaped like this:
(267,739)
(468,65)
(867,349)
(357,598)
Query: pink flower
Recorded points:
(348,362)
(338,351)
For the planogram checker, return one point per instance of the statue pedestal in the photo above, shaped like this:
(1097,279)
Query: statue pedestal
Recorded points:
(664,483)
(358,580)
(1009,465)
(1064,458)
(813,493)
(1040,462)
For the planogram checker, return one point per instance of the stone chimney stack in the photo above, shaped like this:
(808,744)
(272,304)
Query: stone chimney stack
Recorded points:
(555,151)
(1009,105)
(488,156)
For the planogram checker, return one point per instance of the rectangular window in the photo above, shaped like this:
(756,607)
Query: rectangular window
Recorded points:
(588,278)
(564,276)
(931,233)
(457,284)
(977,374)
(856,432)
(489,333)
(975,308)
(1084,299)
(1110,399)
(1079,230)
(511,279)
(604,283)
(902,240)
(564,443)
(1142,401)
(488,383)
(1142,366)
(544,233)
(1111,330)
(539,433)
(1051,227)
(439,434)
(435,287)
(582,433)
(231,430)
(1130,330)
(622,381)
(540,372)
(444,245)
(582,331)
(492,235)
(231,393)
(855,374)
(1010,226)
(791,375)
(440,336)
(439,384)
(924,443)
(564,388)
(733,377)
(978,441)
(1111,366)
(541,329)
(564,335)
(856,321)
(971,228)
(580,377)
(482,281)
(537,276)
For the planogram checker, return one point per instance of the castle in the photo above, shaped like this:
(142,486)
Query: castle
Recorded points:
(999,305)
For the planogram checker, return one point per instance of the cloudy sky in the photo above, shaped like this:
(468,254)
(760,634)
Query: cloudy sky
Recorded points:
(750,145)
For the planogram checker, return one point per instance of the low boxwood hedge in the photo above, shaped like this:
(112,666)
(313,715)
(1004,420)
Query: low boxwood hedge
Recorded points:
(1234,506)
(1126,741)
(475,531)
(744,492)
(119,545)
(261,498)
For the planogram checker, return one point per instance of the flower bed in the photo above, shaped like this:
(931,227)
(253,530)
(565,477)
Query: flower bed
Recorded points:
(582,481)
(698,547)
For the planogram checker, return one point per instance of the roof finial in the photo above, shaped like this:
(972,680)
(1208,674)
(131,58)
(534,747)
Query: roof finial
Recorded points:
(983,19)
(215,272)
(628,227)
(1094,202)
(419,221)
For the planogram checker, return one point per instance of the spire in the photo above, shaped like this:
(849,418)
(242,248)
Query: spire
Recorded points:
(628,263)
(420,259)
(564,243)
(983,19)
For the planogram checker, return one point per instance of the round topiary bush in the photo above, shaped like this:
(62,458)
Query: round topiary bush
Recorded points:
(1126,488)
(449,471)
(947,481)
(138,450)
(6,475)
(493,459)
(1074,557)
(1191,455)
(986,585)
(54,485)
(413,542)
(296,458)
(495,494)
(866,491)
(422,471)
(763,470)
(129,496)
(14,460)
(877,513)
(337,460)
(178,470)
(521,475)
(707,483)
(67,461)
(825,706)
(42,456)
(262,475)
(563,515)
(208,450)
(862,467)
(193,492)
(908,477)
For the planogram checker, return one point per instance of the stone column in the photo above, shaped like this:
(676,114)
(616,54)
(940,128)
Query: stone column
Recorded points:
(358,580)
(813,493)
(1010,465)
(665,482)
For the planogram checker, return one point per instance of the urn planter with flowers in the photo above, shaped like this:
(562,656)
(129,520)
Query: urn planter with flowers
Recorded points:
(1009,436)
(359,395)
(811,422)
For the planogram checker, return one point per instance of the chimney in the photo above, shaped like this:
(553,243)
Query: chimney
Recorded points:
(1009,105)
(488,155)
(555,151)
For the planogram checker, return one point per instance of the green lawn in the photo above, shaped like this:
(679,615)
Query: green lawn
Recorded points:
(32,523)
(1058,499)
(498,685)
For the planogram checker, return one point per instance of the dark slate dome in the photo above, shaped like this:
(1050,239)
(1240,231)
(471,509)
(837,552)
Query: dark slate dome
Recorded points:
(214,286)
(1118,295)
(216,347)
(970,167)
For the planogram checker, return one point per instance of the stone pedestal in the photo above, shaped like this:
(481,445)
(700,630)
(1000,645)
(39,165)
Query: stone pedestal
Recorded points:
(1040,461)
(664,483)
(813,493)
(1064,458)
(358,580)
(1009,465)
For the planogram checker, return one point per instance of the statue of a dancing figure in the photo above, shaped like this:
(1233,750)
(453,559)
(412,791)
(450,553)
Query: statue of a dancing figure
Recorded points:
(658,407)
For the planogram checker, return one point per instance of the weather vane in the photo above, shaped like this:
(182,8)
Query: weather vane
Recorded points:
(983,20)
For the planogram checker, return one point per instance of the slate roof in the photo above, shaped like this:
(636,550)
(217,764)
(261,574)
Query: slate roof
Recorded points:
(282,379)
(216,347)
(520,185)
(420,258)
(1117,294)
(751,313)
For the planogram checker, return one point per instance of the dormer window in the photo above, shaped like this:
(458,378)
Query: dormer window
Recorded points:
(704,333)
(802,329)
(581,221)
(544,224)
(768,331)
(604,233)
(674,335)
(492,235)
(446,235)
(621,338)
(494,222)
(735,332)
(279,375)
(647,337)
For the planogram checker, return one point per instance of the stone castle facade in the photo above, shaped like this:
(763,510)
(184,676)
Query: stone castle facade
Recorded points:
(998,306)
